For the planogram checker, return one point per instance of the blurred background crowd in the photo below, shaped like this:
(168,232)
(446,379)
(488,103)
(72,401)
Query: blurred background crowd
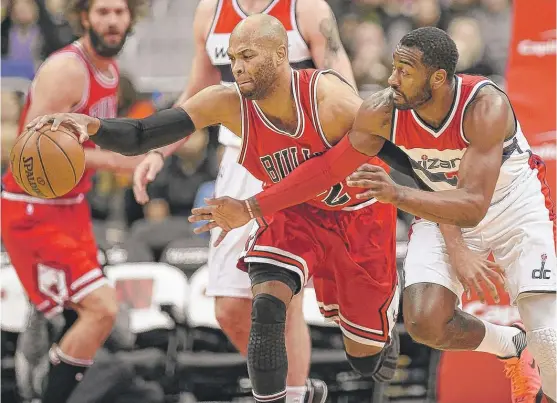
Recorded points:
(155,63)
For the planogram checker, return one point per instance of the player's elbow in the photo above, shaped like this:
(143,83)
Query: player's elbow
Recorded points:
(476,209)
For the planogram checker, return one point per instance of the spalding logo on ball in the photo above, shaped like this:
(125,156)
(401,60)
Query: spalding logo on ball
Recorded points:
(47,164)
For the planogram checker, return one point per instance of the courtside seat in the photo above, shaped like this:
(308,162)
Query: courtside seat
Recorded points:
(187,253)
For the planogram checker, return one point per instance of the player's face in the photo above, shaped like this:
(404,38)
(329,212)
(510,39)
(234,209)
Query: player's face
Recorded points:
(409,79)
(253,68)
(108,23)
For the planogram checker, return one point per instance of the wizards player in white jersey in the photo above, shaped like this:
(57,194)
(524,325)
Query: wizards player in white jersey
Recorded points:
(313,41)
(458,136)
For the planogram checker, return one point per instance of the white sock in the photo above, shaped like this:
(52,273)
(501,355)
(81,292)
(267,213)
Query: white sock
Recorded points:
(295,394)
(498,340)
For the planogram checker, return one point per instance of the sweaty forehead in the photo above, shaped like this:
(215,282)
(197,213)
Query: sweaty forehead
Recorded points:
(406,55)
(109,4)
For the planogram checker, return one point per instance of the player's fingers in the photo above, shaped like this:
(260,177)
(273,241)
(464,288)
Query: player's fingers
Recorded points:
(215,201)
(362,183)
(200,217)
(490,286)
(57,121)
(496,275)
(479,290)
(206,227)
(42,121)
(202,210)
(370,194)
(152,171)
(220,238)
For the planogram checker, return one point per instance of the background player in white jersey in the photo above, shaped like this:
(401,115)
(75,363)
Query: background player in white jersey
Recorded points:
(500,198)
(313,41)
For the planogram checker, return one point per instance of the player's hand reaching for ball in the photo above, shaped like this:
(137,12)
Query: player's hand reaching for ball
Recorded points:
(146,173)
(75,121)
(377,180)
(224,212)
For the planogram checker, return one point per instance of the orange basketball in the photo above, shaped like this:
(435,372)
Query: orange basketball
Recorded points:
(46,163)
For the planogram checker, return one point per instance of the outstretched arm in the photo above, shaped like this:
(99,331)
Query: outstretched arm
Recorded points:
(365,140)
(214,105)
(478,172)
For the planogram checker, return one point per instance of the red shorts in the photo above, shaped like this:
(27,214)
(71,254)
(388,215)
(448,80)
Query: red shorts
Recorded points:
(52,248)
(351,256)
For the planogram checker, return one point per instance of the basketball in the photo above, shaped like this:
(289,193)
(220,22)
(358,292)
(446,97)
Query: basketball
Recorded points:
(47,164)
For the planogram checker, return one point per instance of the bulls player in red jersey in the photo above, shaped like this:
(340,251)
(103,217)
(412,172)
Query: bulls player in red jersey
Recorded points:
(313,41)
(284,117)
(459,137)
(51,242)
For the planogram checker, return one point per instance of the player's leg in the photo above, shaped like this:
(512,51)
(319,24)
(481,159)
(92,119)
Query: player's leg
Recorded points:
(280,255)
(57,266)
(273,287)
(231,287)
(524,244)
(431,298)
(432,315)
(359,288)
(539,315)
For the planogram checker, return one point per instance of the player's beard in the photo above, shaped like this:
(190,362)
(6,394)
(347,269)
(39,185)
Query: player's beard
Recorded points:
(414,103)
(263,80)
(102,48)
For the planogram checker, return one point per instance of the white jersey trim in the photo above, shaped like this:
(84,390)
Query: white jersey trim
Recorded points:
(244,128)
(242,14)
(471,96)
(437,133)
(301,120)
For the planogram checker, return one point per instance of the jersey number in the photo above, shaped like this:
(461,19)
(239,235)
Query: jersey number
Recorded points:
(335,197)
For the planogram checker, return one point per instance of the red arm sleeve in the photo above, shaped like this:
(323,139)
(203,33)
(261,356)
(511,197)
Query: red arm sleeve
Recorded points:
(312,178)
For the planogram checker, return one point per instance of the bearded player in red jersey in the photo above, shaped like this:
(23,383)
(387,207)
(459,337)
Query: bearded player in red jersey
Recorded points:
(50,242)
(285,116)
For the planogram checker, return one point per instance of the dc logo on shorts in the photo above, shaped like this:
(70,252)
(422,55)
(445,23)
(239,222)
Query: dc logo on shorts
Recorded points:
(542,273)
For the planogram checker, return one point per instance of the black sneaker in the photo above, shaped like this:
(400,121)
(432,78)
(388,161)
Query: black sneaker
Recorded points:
(390,358)
(316,391)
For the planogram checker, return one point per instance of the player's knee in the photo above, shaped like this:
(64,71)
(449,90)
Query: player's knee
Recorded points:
(366,366)
(101,306)
(426,322)
(275,281)
(229,312)
(355,349)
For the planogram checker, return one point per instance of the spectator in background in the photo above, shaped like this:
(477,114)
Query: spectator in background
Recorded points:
(465,31)
(179,179)
(369,51)
(495,26)
(24,38)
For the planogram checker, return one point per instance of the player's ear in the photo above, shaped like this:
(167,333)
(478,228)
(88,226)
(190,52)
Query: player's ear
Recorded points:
(85,20)
(282,54)
(438,78)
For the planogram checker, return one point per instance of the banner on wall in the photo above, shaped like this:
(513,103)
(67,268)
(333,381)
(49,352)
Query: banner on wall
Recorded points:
(531,78)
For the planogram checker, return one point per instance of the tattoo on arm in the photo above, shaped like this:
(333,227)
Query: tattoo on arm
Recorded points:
(329,29)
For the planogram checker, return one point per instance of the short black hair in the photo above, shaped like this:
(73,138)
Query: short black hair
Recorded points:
(439,50)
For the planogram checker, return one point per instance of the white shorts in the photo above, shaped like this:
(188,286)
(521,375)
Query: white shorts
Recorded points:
(225,280)
(519,232)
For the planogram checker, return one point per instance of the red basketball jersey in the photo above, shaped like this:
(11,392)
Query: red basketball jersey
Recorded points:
(436,153)
(99,99)
(270,154)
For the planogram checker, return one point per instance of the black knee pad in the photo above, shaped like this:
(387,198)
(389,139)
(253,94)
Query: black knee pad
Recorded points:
(263,272)
(380,367)
(365,366)
(267,360)
(268,309)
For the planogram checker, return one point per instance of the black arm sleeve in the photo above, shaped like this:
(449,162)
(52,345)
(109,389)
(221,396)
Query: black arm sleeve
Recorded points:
(399,160)
(137,136)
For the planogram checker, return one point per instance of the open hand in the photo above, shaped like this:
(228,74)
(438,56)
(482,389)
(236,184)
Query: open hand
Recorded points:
(477,273)
(223,212)
(145,173)
(74,121)
(377,180)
